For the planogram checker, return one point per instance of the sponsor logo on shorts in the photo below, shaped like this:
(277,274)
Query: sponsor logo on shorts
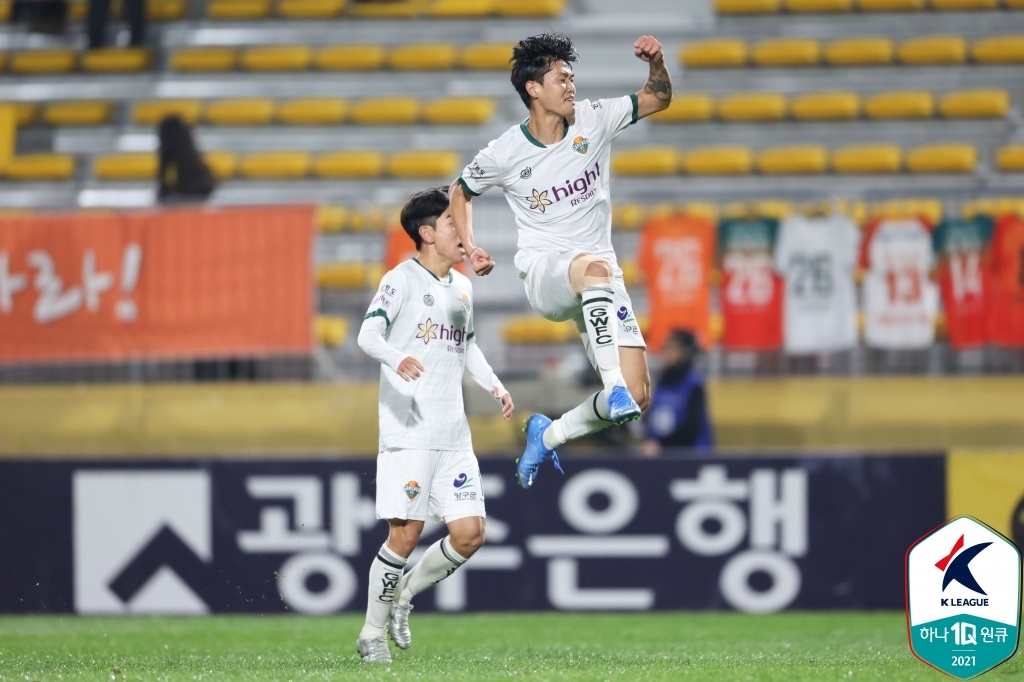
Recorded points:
(412,489)
(462,482)
(580,145)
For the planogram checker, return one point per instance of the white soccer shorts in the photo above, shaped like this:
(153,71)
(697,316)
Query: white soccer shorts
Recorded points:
(444,485)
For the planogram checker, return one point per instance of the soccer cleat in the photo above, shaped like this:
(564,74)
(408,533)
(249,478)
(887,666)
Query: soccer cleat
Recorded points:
(621,406)
(398,625)
(535,453)
(374,650)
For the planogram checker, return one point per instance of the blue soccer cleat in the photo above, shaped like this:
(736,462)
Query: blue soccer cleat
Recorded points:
(535,453)
(621,406)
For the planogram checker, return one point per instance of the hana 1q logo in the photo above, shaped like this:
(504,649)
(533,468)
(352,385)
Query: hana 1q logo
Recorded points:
(963,598)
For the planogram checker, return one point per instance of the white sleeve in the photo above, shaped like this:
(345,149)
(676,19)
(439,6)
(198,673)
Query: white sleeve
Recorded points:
(383,310)
(482,173)
(371,340)
(617,114)
(480,370)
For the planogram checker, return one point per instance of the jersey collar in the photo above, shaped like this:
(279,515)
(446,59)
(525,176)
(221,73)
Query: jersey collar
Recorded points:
(535,141)
(450,277)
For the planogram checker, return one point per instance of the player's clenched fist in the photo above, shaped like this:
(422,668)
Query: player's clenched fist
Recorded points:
(507,408)
(648,49)
(410,369)
(481,261)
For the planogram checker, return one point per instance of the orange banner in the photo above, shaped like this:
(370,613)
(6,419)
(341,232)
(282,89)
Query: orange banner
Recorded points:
(156,284)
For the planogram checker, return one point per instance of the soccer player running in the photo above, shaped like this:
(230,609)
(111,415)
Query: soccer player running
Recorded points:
(553,168)
(420,328)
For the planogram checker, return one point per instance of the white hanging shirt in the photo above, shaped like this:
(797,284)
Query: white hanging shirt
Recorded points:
(559,193)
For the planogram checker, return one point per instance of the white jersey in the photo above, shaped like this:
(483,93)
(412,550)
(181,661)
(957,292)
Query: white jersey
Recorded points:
(432,320)
(900,300)
(559,194)
(817,257)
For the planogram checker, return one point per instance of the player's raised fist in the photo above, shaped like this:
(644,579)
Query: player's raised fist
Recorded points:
(410,369)
(481,261)
(648,49)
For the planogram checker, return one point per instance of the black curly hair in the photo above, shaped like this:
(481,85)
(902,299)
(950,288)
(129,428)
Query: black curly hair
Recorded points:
(533,57)
(423,208)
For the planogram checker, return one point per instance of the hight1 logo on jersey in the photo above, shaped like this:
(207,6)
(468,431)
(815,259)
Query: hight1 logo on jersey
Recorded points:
(581,189)
(431,330)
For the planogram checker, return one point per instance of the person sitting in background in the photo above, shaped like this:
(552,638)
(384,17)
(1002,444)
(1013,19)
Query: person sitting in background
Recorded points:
(184,176)
(678,416)
(41,16)
(134,13)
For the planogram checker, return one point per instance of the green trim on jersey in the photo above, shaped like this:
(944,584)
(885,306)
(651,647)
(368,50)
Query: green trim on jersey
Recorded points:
(565,131)
(466,189)
(636,107)
(379,312)
(470,336)
(450,277)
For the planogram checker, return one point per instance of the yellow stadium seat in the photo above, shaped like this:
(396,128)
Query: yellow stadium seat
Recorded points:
(78,10)
(249,111)
(424,164)
(1013,4)
(631,274)
(310,9)
(8,134)
(222,164)
(867,159)
(277,58)
(752,106)
(373,219)
(942,158)
(116,60)
(860,51)
(350,58)
(931,209)
(890,5)
(386,111)
(44,61)
(964,5)
(1010,159)
(166,10)
(394,9)
(717,161)
(787,52)
(312,111)
(25,113)
(885,105)
(82,113)
(141,166)
(352,164)
(331,330)
(332,218)
(205,59)
(534,329)
(975,104)
(541,9)
(998,50)
(275,165)
(646,161)
(723,52)
(825,106)
(238,9)
(486,56)
(459,111)
(5,10)
(628,216)
(461,9)
(344,275)
(933,50)
(3,61)
(686,107)
(818,6)
(424,57)
(40,167)
(151,112)
(746,6)
(798,159)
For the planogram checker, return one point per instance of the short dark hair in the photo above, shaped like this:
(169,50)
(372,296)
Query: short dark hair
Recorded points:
(533,57)
(423,208)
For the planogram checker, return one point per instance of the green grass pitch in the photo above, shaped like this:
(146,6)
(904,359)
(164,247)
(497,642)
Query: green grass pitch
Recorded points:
(550,646)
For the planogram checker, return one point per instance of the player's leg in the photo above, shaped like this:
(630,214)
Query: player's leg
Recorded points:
(465,537)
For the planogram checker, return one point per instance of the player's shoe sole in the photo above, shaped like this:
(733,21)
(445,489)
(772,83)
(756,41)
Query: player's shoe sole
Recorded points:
(621,406)
(374,650)
(535,453)
(398,626)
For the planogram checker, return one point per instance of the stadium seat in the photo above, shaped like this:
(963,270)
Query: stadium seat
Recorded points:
(818,6)
(116,60)
(332,218)
(310,9)
(787,52)
(222,164)
(312,111)
(933,50)
(248,111)
(275,166)
(8,133)
(205,59)
(166,10)
(151,112)
(424,164)
(1010,159)
(964,5)
(799,159)
(25,113)
(685,108)
(346,275)
(889,105)
(998,50)
(890,5)
(486,56)
(43,61)
(931,209)
(534,329)
(238,9)
(723,52)
(860,51)
(992,206)
(40,167)
(349,164)
(5,10)
(975,104)
(867,159)
(3,61)
(135,166)
(372,219)
(540,9)
(1013,4)
(331,330)
(80,113)
(461,9)
(717,161)
(646,161)
(631,273)
(746,6)
(459,111)
(394,9)
(277,58)
(386,111)
(628,216)
(825,106)
(942,158)
(753,106)
(424,57)
(350,58)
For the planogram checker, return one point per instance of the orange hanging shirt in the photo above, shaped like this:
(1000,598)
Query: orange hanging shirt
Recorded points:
(1006,269)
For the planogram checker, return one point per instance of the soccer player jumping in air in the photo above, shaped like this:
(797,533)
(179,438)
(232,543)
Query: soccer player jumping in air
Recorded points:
(420,328)
(554,170)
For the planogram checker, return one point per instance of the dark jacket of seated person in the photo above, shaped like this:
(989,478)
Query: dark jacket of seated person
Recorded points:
(184,176)
(678,414)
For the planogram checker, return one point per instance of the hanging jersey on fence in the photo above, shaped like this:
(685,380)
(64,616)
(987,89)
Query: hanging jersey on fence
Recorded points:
(816,258)
(961,249)
(751,292)
(1006,267)
(675,256)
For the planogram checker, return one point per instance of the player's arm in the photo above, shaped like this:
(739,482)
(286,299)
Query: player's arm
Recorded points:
(371,340)
(657,93)
(484,376)
(462,216)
